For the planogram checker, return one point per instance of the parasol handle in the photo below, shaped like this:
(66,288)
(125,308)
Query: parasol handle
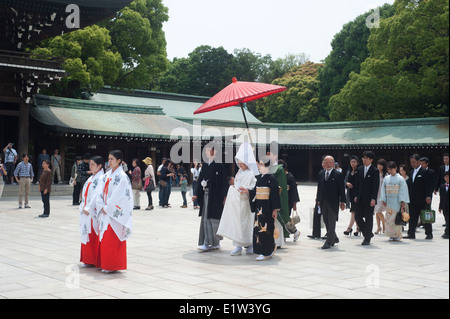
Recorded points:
(246,123)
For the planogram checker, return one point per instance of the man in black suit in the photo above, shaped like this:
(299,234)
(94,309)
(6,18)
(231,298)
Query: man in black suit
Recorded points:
(443,204)
(424,162)
(330,192)
(440,174)
(420,188)
(366,193)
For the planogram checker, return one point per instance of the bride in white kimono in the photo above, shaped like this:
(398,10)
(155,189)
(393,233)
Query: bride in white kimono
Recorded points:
(115,204)
(237,219)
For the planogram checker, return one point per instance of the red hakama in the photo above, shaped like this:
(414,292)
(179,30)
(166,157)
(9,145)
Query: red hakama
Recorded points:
(89,252)
(112,253)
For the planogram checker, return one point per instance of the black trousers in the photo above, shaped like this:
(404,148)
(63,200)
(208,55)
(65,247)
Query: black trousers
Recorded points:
(46,201)
(317,230)
(76,193)
(446,221)
(364,218)
(150,199)
(414,213)
(330,217)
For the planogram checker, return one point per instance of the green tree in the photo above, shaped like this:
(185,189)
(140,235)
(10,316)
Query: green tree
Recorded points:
(88,60)
(407,73)
(299,104)
(349,51)
(128,51)
(136,33)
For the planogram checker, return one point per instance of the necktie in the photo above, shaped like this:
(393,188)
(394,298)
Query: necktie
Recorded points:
(327,175)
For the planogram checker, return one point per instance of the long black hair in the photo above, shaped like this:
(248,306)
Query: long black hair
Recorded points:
(98,160)
(117,154)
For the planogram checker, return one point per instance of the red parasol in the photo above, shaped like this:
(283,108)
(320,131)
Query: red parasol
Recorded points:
(239,93)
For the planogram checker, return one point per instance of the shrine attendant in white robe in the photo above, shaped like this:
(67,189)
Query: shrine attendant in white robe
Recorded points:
(394,195)
(115,205)
(237,219)
(89,226)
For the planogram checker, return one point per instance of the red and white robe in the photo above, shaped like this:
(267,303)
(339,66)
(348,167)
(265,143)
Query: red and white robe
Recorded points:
(89,226)
(116,226)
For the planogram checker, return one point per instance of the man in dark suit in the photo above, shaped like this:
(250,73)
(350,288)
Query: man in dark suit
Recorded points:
(330,192)
(366,193)
(424,162)
(440,173)
(420,188)
(443,204)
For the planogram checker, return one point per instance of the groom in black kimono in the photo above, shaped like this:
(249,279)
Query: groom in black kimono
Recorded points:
(211,193)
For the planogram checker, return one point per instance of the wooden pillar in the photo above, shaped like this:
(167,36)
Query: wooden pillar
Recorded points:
(24,122)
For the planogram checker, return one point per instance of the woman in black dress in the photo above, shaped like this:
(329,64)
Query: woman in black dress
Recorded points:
(350,181)
(265,203)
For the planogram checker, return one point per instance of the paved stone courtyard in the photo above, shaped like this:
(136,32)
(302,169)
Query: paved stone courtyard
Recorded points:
(39,258)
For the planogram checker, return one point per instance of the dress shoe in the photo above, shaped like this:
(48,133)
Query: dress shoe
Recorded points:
(445,236)
(429,237)
(366,242)
(326,246)
(44,215)
(313,237)
(409,237)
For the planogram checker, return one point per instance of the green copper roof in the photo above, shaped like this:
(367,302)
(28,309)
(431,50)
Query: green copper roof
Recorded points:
(157,117)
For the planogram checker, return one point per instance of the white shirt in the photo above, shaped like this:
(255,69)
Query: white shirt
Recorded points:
(366,169)
(415,173)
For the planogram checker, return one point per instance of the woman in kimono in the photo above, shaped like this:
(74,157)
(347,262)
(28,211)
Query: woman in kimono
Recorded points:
(237,219)
(265,203)
(115,205)
(380,207)
(394,195)
(89,214)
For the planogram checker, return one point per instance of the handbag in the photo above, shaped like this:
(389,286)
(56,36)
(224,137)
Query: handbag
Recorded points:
(295,219)
(136,185)
(428,216)
(149,185)
(399,221)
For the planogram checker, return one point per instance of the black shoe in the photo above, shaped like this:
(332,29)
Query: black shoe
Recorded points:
(348,231)
(366,242)
(44,215)
(445,236)
(429,237)
(313,237)
(326,246)
(409,237)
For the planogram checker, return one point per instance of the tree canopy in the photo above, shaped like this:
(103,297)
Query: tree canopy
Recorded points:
(128,51)
(407,72)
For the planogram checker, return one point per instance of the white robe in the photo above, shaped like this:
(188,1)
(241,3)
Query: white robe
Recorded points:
(237,219)
(89,204)
(116,200)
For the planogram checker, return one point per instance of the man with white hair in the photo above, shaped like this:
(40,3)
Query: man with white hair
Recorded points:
(330,195)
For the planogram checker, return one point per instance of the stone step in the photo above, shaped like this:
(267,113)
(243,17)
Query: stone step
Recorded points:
(57,190)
